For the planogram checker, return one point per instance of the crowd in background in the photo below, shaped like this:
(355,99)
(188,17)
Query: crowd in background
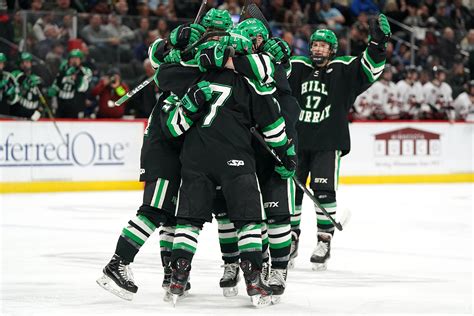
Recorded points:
(429,34)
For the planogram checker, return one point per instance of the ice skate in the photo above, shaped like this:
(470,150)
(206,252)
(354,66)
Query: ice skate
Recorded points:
(118,278)
(322,252)
(260,293)
(167,271)
(179,280)
(294,249)
(277,282)
(230,279)
(265,272)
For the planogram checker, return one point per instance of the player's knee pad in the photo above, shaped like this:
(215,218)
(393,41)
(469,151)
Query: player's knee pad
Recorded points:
(325,197)
(279,220)
(155,215)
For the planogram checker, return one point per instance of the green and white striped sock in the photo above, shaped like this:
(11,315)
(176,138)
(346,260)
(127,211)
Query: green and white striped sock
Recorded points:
(186,238)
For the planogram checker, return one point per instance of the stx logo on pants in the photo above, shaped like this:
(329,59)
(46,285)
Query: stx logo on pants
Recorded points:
(321,180)
(270,204)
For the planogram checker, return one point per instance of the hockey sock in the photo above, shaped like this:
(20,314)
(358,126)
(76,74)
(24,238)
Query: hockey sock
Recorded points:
(296,220)
(279,234)
(133,236)
(228,240)
(250,243)
(185,242)
(265,254)
(323,222)
(166,242)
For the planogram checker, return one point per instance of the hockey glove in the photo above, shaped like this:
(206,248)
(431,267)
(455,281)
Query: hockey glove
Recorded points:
(174,57)
(52,92)
(157,52)
(288,158)
(379,30)
(185,35)
(214,57)
(196,97)
(277,49)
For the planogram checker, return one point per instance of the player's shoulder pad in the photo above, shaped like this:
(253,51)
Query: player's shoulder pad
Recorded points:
(306,61)
(261,88)
(345,60)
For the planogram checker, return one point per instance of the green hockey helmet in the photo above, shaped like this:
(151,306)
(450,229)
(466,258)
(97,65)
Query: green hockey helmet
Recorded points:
(3,58)
(76,53)
(26,56)
(239,40)
(253,27)
(217,19)
(324,35)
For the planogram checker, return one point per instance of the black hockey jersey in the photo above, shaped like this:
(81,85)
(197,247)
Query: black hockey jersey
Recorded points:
(325,96)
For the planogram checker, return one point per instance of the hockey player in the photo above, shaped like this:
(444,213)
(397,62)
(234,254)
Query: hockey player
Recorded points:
(410,94)
(7,87)
(382,96)
(71,85)
(464,104)
(28,90)
(227,161)
(438,95)
(160,170)
(326,87)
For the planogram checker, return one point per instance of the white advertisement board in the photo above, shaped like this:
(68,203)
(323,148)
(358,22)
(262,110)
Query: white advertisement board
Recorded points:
(91,151)
(409,148)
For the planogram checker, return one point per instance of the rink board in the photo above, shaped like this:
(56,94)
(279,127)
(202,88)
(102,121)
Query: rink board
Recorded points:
(105,155)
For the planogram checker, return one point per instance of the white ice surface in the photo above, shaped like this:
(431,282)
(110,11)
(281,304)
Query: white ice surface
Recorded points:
(406,250)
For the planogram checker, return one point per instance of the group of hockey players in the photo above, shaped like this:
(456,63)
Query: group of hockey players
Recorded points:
(410,99)
(21,90)
(200,160)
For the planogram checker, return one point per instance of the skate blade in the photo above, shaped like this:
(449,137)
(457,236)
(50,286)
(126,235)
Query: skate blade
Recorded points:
(291,264)
(320,266)
(276,299)
(168,297)
(109,285)
(260,301)
(230,291)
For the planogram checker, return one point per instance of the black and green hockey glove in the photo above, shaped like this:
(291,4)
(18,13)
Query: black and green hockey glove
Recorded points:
(196,97)
(185,34)
(173,56)
(277,49)
(379,30)
(214,57)
(289,161)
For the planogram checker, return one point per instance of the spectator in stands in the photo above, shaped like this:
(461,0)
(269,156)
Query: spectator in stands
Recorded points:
(447,47)
(143,102)
(185,9)
(162,27)
(230,5)
(442,16)
(422,55)
(467,42)
(294,17)
(313,13)
(413,18)
(332,16)
(100,41)
(121,9)
(358,39)
(144,27)
(109,89)
(141,51)
(276,11)
(54,57)
(40,24)
(51,33)
(367,6)
(101,7)
(124,36)
(463,19)
(159,7)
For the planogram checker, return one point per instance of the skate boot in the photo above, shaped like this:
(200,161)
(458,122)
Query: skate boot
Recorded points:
(277,282)
(265,272)
(322,252)
(166,273)
(229,280)
(118,278)
(260,293)
(293,250)
(179,279)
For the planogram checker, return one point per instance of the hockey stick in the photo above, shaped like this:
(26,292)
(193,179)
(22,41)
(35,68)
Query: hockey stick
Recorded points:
(243,12)
(50,113)
(200,11)
(255,12)
(298,182)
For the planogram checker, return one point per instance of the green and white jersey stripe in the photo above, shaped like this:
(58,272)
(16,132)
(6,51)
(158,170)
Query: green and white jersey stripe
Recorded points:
(178,123)
(250,238)
(160,193)
(274,134)
(337,165)
(291,195)
(186,237)
(372,69)
(155,63)
(260,88)
(301,59)
(262,67)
